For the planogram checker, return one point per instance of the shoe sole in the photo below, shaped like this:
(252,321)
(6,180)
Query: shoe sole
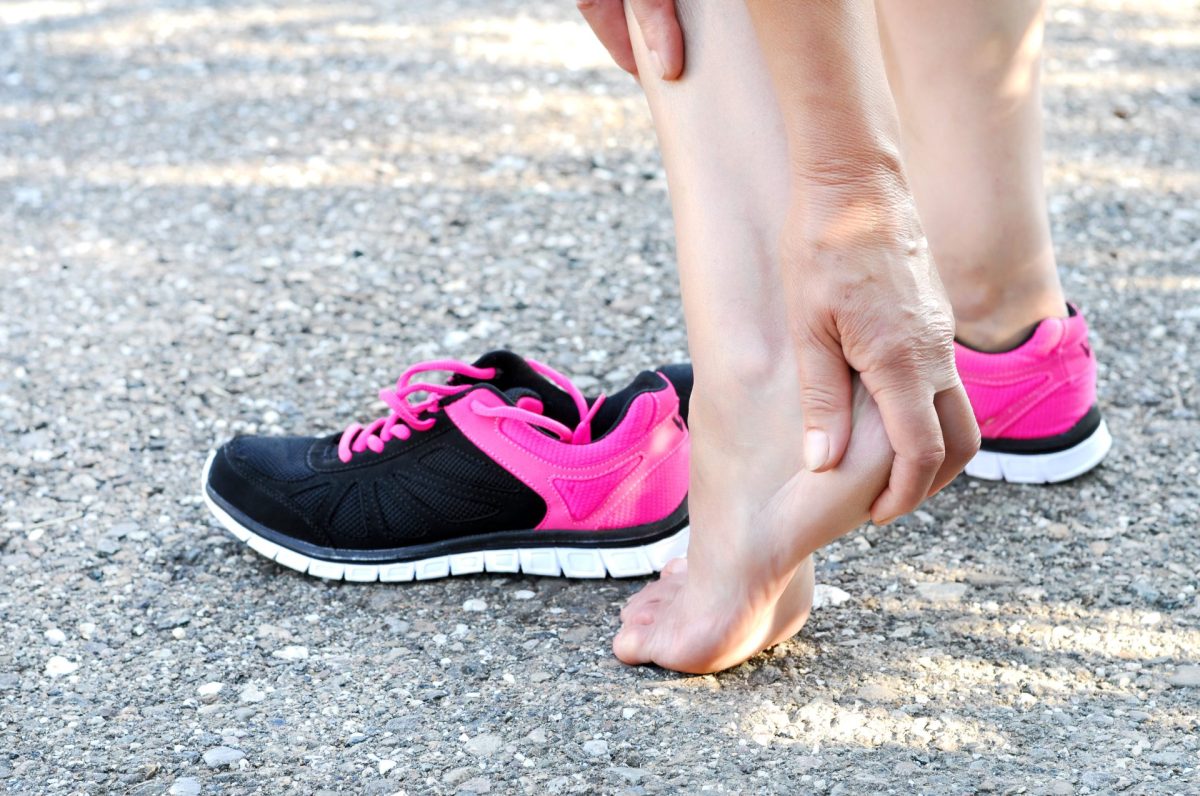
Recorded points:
(1043,468)
(557,561)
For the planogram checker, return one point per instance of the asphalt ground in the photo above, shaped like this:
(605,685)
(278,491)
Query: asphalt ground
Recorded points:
(227,217)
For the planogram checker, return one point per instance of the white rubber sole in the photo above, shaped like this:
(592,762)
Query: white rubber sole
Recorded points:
(1042,468)
(567,562)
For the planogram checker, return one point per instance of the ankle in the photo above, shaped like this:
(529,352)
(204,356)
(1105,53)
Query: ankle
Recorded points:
(1001,317)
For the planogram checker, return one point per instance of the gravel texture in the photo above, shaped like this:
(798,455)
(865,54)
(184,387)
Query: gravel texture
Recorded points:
(221,217)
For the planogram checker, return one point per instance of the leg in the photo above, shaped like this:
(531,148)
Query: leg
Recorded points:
(757,516)
(966,78)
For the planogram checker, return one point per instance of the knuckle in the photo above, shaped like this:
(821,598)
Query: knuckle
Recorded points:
(965,449)
(588,6)
(820,400)
(930,457)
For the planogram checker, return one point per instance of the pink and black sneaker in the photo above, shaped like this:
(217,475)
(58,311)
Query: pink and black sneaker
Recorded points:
(504,467)
(1036,405)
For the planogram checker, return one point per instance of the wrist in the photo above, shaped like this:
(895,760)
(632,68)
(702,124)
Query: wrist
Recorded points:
(866,168)
(864,201)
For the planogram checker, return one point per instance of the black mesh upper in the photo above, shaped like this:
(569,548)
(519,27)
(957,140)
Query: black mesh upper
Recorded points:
(433,486)
(277,458)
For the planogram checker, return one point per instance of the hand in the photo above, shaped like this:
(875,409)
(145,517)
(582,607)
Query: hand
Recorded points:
(659,27)
(863,293)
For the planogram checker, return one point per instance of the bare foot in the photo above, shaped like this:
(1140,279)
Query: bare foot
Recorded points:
(757,516)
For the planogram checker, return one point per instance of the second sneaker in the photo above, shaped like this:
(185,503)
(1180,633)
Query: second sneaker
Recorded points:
(504,467)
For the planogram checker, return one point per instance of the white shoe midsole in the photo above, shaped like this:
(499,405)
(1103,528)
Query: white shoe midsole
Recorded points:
(569,562)
(1043,468)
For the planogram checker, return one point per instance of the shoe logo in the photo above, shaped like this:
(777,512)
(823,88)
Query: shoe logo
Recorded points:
(998,423)
(584,495)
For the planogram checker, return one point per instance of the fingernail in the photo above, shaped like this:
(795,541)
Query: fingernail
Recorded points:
(816,448)
(657,61)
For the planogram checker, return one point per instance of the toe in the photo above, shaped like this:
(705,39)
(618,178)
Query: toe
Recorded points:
(631,644)
(653,592)
(675,567)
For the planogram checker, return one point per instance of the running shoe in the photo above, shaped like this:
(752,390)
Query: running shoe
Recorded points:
(503,467)
(1036,405)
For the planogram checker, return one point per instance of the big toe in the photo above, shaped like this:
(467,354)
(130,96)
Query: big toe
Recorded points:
(633,641)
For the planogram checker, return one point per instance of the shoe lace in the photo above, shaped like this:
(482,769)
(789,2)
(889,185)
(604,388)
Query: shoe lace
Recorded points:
(408,416)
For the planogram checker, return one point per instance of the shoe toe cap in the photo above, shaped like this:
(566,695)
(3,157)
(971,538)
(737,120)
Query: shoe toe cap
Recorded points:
(251,480)
(275,458)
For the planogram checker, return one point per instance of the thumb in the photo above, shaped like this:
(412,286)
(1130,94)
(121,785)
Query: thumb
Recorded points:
(825,399)
(664,39)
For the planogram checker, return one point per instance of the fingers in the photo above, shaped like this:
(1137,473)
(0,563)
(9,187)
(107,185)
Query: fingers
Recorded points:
(825,400)
(607,20)
(915,433)
(960,432)
(664,39)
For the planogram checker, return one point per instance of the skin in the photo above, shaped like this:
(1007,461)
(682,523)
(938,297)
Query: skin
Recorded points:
(757,514)
(968,89)
(853,282)
(864,295)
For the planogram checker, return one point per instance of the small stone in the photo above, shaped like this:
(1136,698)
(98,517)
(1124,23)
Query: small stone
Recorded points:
(476,785)
(172,619)
(1097,780)
(252,693)
(1060,788)
(456,775)
(454,338)
(87,630)
(220,756)
(1058,530)
(628,713)
(906,768)
(631,775)
(9,681)
(54,636)
(876,692)
(184,786)
(941,592)
(385,766)
(475,604)
(1145,590)
(484,745)
(537,735)
(578,635)
(58,665)
(990,579)
(765,675)
(1185,677)
(595,748)
(524,594)
(209,691)
(1166,758)
(825,595)
(122,529)
(107,546)
(292,652)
